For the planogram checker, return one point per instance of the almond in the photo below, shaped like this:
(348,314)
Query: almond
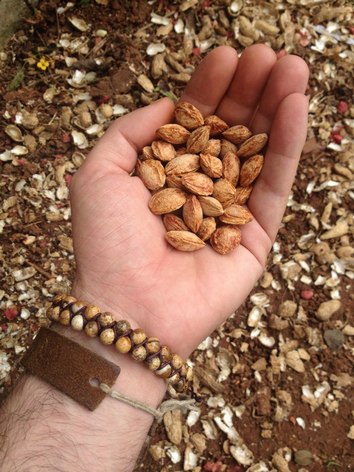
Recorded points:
(211,165)
(236,215)
(192,213)
(213,147)
(151,173)
(225,192)
(146,153)
(198,140)
(167,200)
(163,151)
(225,147)
(174,223)
(243,194)
(217,125)
(251,170)
(253,145)
(231,168)
(225,239)
(207,228)
(173,133)
(188,116)
(180,151)
(184,240)
(174,181)
(211,206)
(197,183)
(182,164)
(237,134)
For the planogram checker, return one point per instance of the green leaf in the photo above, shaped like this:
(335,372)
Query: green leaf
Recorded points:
(166,93)
(17,80)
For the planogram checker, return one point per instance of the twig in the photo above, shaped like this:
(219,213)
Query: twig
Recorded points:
(30,7)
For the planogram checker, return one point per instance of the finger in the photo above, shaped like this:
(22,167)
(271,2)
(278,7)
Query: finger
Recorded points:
(289,75)
(270,194)
(211,79)
(245,91)
(118,148)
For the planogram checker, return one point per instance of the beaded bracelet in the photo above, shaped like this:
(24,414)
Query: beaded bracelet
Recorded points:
(82,316)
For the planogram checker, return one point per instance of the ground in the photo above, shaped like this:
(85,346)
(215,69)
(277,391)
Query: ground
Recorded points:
(276,378)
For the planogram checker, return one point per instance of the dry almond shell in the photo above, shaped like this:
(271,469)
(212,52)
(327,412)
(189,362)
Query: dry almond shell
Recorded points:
(188,115)
(184,241)
(167,200)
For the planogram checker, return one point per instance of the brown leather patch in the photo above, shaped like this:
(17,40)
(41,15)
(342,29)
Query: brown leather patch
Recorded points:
(69,367)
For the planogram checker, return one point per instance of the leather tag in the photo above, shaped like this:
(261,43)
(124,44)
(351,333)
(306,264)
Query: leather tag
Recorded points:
(69,367)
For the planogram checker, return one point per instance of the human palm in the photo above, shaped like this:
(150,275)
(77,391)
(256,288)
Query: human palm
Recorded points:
(123,260)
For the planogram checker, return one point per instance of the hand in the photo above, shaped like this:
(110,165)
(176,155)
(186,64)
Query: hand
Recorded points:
(124,263)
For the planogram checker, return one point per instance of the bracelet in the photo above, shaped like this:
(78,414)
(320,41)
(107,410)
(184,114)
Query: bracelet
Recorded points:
(82,316)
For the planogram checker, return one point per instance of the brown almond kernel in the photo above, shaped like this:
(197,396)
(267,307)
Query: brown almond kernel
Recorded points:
(188,115)
(236,215)
(251,169)
(184,241)
(253,145)
(198,140)
(167,200)
(217,125)
(231,168)
(225,239)
(174,223)
(163,151)
(211,206)
(207,228)
(211,165)
(173,133)
(198,183)
(192,213)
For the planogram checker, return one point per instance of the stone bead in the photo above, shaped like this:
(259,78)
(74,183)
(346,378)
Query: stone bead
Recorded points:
(77,323)
(164,372)
(122,326)
(183,370)
(152,345)
(58,298)
(106,319)
(153,363)
(107,336)
(166,354)
(174,379)
(139,354)
(64,318)
(177,361)
(189,375)
(77,306)
(53,313)
(91,311)
(138,336)
(123,345)
(69,299)
(91,329)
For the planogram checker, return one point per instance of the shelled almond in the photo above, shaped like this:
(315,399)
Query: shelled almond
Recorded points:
(201,172)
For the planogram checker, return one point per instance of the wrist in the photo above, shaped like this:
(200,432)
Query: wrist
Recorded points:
(134,380)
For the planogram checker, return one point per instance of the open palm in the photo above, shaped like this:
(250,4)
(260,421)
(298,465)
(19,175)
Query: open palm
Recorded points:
(123,261)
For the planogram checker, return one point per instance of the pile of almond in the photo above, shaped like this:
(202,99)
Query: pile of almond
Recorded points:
(201,172)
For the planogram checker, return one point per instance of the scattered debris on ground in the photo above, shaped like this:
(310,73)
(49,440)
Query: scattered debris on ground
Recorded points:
(276,378)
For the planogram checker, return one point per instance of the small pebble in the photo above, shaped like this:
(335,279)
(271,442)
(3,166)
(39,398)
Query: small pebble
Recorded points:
(303,457)
(327,309)
(306,294)
(334,338)
(287,309)
(25,314)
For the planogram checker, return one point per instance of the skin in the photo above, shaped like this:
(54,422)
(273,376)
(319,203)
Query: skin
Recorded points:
(125,265)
